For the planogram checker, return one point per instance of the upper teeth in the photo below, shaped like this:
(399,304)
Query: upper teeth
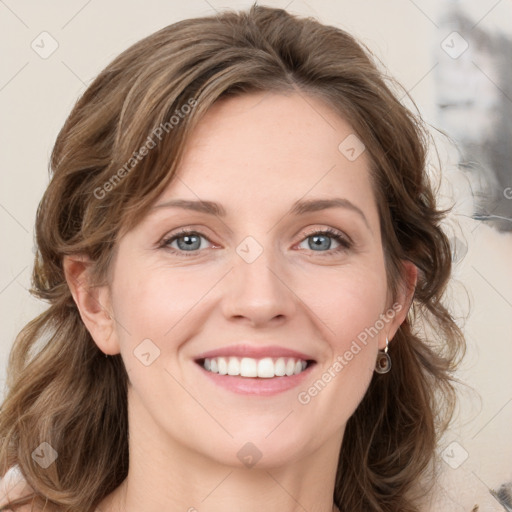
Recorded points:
(249,367)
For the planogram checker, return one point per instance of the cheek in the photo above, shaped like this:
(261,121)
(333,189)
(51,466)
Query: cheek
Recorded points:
(348,302)
(153,305)
(152,302)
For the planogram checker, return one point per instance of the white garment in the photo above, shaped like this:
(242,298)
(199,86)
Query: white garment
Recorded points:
(13,486)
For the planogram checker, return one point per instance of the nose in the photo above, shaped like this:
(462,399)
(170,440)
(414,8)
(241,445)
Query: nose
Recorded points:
(258,292)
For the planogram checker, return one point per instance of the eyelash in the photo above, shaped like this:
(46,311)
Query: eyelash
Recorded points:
(345,242)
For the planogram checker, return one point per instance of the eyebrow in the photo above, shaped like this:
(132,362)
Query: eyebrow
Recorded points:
(300,207)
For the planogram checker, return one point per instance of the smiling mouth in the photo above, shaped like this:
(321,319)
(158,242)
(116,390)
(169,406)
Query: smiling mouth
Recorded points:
(264,368)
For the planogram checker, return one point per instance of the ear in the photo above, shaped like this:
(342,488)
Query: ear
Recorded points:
(93,303)
(403,300)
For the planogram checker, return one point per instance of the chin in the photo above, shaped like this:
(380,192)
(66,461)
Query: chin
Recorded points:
(258,449)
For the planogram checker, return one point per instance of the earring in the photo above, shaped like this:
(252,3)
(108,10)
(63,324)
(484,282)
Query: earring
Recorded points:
(383,364)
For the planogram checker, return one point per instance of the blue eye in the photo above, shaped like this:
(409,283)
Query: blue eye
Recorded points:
(189,242)
(320,240)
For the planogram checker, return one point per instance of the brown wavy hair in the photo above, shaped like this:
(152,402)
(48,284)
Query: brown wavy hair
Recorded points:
(61,387)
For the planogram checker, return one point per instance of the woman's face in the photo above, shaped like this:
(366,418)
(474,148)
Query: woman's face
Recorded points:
(254,285)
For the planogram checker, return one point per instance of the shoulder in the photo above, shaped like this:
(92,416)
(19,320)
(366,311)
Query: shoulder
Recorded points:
(13,486)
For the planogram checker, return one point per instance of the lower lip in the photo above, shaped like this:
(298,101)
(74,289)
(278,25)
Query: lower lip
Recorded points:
(255,385)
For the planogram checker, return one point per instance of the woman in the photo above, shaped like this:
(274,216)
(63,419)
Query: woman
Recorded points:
(242,253)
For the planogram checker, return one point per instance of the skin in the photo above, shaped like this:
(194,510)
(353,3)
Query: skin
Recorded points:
(255,155)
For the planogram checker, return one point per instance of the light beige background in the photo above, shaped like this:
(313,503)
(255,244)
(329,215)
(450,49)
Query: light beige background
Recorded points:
(36,95)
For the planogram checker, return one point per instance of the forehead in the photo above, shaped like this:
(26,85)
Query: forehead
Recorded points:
(270,149)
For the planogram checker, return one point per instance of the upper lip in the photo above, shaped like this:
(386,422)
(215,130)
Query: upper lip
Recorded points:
(255,352)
